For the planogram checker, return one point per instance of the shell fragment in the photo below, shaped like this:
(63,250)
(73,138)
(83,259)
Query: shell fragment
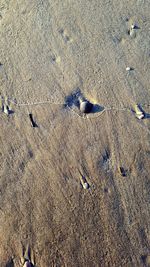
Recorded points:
(139,112)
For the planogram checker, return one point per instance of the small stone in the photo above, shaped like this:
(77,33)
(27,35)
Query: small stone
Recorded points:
(85,185)
(128,68)
(86,106)
(133,26)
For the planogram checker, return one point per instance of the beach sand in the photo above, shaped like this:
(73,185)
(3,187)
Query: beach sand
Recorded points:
(49,51)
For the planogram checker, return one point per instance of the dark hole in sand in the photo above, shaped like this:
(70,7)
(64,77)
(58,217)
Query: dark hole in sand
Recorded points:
(32,121)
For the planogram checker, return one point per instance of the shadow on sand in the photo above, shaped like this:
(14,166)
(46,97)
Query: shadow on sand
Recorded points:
(146,115)
(97,108)
(10,263)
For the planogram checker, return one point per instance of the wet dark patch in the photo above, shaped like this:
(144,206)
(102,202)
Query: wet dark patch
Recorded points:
(33,123)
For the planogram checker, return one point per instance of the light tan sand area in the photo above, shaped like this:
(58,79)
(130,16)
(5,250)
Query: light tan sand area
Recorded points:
(74,133)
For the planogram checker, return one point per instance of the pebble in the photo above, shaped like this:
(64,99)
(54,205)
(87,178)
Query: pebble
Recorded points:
(85,106)
(128,68)
(85,185)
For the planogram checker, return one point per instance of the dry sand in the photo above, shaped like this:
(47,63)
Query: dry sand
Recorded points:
(48,50)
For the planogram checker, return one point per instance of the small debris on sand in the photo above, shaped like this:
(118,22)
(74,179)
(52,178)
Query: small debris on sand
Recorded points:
(129,69)
(132,31)
(84,183)
(5,109)
(133,26)
(139,112)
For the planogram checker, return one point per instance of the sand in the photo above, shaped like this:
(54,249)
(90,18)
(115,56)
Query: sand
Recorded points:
(49,50)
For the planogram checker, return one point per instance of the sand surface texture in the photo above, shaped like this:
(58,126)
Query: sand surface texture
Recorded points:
(74,189)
